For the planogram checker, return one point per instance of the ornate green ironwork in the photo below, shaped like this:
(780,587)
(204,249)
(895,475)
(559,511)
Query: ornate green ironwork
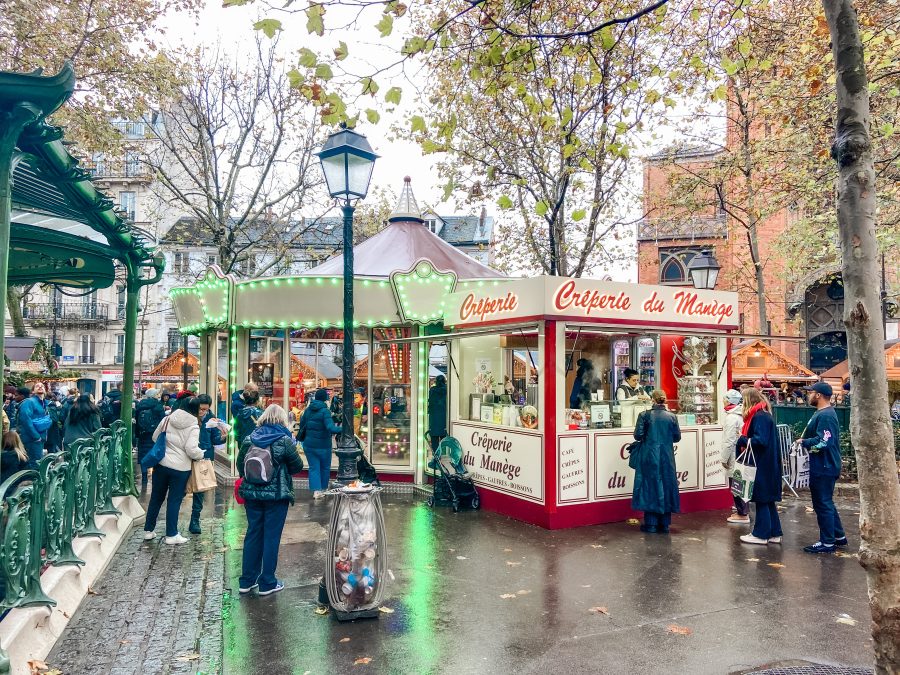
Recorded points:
(59,505)
(21,529)
(105,450)
(85,488)
(122,456)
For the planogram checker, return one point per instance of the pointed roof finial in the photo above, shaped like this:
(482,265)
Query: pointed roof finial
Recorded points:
(407,209)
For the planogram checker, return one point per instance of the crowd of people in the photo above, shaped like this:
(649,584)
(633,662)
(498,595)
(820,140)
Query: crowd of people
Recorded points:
(750,437)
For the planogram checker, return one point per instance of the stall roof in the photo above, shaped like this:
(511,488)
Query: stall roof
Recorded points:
(755,360)
(891,356)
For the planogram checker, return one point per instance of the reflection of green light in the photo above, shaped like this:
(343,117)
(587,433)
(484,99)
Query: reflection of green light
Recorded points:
(420,595)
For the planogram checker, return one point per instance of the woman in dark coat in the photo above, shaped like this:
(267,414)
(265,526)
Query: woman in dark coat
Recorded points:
(437,411)
(83,420)
(148,413)
(760,432)
(655,483)
(316,431)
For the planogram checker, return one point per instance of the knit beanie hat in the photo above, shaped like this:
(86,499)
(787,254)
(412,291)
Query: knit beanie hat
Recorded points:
(733,397)
(321,394)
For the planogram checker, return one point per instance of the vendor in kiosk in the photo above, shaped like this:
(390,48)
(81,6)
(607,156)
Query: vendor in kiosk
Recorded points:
(630,389)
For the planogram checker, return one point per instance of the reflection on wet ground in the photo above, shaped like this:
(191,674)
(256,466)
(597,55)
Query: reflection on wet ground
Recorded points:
(480,593)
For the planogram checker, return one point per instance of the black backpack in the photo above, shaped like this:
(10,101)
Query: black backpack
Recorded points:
(259,466)
(145,421)
(107,414)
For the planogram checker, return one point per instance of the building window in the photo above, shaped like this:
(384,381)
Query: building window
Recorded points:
(175,341)
(432,224)
(247,266)
(181,262)
(673,264)
(120,302)
(132,164)
(88,349)
(120,348)
(128,204)
(212,259)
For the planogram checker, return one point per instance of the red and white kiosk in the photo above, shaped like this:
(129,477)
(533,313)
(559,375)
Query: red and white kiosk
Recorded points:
(511,349)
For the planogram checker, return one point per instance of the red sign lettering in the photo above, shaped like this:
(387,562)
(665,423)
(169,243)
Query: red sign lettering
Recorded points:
(484,308)
(653,305)
(589,300)
(688,304)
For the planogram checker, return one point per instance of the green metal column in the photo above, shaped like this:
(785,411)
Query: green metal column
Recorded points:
(11,124)
(132,296)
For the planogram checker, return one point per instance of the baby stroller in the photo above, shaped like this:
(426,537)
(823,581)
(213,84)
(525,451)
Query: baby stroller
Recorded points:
(452,485)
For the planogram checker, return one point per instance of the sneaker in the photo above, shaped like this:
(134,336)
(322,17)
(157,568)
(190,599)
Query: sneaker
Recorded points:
(819,547)
(177,539)
(149,535)
(842,541)
(194,528)
(244,591)
(739,520)
(775,540)
(318,494)
(750,539)
(279,586)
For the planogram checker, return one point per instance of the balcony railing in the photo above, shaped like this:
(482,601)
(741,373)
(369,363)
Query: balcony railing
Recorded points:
(118,169)
(696,227)
(67,313)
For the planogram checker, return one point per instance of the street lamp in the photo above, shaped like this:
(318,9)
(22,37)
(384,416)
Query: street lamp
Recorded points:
(347,162)
(704,270)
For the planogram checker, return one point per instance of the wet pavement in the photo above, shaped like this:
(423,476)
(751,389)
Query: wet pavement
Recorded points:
(480,593)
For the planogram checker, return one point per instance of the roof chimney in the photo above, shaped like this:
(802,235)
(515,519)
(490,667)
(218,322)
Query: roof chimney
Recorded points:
(407,210)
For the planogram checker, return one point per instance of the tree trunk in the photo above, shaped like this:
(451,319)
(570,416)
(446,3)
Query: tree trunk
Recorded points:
(753,241)
(14,295)
(869,423)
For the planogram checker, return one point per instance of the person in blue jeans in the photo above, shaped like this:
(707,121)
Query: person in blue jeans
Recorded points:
(209,439)
(31,409)
(170,476)
(266,502)
(822,438)
(315,433)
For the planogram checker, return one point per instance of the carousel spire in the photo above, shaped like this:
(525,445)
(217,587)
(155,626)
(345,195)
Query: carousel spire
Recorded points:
(407,209)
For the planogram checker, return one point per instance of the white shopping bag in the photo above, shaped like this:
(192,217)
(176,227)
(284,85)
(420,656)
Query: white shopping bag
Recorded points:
(800,466)
(744,475)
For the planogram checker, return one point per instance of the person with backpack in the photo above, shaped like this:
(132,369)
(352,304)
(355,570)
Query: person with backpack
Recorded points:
(267,461)
(210,437)
(245,419)
(32,423)
(148,413)
(111,407)
(83,420)
(170,476)
(316,430)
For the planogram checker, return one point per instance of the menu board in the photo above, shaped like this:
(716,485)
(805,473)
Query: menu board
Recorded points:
(714,472)
(572,467)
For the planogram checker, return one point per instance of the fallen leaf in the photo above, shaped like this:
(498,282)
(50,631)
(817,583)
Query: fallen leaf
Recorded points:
(460,557)
(599,610)
(91,591)
(777,566)
(512,563)
(841,554)
(452,550)
(66,614)
(694,539)
(810,509)
(508,596)
(633,521)
(186,658)
(385,610)
(363,661)
(597,546)
(752,559)
(846,619)
(507,550)
(585,585)
(37,666)
(344,640)
(321,611)
(124,642)
(679,630)
(522,592)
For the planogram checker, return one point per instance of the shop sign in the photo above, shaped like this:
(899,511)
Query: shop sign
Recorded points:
(713,471)
(487,307)
(614,479)
(503,460)
(572,468)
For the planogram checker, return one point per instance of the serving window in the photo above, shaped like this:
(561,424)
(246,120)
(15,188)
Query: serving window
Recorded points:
(498,379)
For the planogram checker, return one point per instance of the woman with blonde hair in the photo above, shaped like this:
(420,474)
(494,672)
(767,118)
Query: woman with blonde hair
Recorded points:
(267,461)
(760,434)
(655,481)
(13,458)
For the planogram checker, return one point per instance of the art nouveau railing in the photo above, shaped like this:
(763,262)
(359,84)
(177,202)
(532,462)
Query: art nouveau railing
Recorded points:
(43,511)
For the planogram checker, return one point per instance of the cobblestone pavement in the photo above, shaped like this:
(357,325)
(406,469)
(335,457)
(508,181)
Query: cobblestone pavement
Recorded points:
(157,609)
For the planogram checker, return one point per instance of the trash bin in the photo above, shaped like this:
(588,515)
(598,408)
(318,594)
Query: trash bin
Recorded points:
(356,553)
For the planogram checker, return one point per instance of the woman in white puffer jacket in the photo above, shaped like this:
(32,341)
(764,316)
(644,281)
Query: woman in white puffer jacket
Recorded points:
(170,476)
(731,430)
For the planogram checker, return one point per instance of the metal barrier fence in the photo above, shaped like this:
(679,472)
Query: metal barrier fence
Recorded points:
(43,511)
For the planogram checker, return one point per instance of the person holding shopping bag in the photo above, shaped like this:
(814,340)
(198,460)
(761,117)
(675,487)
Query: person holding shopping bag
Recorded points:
(316,430)
(655,481)
(732,423)
(760,437)
(267,462)
(170,476)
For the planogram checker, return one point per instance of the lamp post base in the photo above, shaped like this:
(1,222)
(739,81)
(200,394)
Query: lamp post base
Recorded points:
(348,456)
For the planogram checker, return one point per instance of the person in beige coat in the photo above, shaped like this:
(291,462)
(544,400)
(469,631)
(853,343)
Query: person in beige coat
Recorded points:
(171,475)
(732,422)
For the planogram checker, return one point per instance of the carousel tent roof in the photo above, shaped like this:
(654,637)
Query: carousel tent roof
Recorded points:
(403,243)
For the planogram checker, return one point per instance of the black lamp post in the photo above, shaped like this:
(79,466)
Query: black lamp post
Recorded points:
(704,270)
(347,162)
